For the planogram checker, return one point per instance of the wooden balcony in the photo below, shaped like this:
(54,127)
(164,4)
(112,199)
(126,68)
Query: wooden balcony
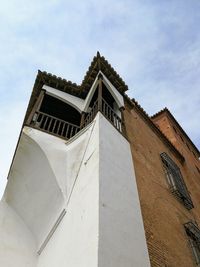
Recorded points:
(53,125)
(111,115)
(66,130)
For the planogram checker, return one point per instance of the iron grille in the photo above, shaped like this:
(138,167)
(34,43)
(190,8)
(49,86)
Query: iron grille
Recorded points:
(192,230)
(176,182)
(193,233)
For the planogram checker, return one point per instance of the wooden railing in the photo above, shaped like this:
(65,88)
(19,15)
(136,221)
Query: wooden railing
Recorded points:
(108,112)
(91,115)
(61,128)
(54,125)
(111,115)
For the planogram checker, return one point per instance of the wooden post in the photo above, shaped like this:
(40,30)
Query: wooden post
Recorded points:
(36,106)
(82,119)
(100,78)
(123,122)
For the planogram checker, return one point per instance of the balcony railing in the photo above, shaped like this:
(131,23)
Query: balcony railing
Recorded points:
(111,115)
(66,130)
(108,112)
(91,115)
(54,125)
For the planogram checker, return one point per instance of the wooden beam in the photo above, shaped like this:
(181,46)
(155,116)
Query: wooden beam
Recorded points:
(36,106)
(100,77)
(123,122)
(82,119)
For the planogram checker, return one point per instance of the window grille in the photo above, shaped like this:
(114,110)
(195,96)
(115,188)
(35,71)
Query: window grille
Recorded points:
(176,182)
(193,233)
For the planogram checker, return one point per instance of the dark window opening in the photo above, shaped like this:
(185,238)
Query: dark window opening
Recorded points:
(94,97)
(60,110)
(176,182)
(107,96)
(107,105)
(57,117)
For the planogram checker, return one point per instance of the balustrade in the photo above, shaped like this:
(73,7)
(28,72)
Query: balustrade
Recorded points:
(54,125)
(61,128)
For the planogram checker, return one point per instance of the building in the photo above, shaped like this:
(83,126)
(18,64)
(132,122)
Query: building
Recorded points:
(95,181)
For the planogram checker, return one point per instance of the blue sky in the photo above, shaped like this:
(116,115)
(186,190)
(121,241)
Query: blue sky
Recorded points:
(154,45)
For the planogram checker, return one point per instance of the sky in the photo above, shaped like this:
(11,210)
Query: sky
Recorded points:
(154,46)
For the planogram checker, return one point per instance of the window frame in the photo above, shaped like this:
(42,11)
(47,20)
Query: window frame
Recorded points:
(175,181)
(193,234)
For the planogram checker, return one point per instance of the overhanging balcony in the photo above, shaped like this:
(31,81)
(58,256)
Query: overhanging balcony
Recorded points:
(53,125)
(64,129)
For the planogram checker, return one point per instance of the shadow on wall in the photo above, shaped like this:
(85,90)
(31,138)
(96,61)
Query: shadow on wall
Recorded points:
(32,189)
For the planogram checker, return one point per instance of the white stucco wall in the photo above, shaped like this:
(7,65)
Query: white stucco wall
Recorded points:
(75,202)
(32,186)
(50,175)
(122,240)
(17,245)
(75,242)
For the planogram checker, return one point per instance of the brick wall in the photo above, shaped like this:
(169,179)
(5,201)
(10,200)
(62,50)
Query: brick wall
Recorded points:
(163,214)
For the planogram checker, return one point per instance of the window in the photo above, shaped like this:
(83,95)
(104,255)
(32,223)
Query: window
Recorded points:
(193,233)
(175,181)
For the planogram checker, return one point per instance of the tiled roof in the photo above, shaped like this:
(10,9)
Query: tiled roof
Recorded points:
(98,63)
